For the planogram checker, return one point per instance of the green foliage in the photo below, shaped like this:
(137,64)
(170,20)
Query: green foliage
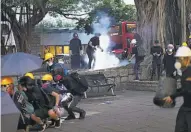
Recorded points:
(115,9)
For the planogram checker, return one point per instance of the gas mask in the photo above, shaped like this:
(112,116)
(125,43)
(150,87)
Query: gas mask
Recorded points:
(182,63)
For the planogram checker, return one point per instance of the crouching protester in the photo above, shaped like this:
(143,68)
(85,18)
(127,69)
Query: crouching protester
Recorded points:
(55,98)
(20,100)
(7,85)
(43,105)
(183,120)
(61,76)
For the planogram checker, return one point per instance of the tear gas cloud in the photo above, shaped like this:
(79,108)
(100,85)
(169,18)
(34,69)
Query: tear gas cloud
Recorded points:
(105,59)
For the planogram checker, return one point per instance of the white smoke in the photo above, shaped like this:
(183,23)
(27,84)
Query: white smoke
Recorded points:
(105,59)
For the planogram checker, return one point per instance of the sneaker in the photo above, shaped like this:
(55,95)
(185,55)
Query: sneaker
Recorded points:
(52,124)
(82,115)
(38,127)
(57,123)
(70,117)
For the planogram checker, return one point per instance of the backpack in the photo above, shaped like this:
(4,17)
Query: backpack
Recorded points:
(40,96)
(141,51)
(77,82)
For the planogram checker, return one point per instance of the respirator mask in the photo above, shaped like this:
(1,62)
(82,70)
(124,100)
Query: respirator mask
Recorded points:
(182,63)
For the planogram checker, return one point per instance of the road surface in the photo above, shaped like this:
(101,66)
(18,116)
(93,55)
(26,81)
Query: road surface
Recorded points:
(129,111)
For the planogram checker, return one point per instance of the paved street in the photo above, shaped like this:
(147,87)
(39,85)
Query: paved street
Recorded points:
(129,111)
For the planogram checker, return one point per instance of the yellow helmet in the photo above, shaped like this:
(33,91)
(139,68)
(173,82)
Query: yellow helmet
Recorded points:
(190,37)
(6,81)
(184,44)
(29,75)
(48,56)
(47,77)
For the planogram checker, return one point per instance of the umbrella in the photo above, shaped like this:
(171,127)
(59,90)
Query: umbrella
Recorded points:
(9,114)
(19,63)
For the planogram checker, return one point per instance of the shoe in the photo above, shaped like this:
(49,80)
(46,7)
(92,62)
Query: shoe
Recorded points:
(70,117)
(38,127)
(52,123)
(82,115)
(57,123)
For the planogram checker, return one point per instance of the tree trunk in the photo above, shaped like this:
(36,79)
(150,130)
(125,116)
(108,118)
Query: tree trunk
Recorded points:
(159,19)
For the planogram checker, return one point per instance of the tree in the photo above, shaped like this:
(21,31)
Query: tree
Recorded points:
(59,24)
(25,14)
(117,10)
(160,19)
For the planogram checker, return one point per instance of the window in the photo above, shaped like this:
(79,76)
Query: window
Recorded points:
(66,49)
(59,50)
(115,30)
(130,28)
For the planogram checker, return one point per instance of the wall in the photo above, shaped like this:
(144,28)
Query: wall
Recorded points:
(124,78)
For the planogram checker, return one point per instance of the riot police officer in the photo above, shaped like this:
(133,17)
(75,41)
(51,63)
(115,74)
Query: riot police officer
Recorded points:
(183,121)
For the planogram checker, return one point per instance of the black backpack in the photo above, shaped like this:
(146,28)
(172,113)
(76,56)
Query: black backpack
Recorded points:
(77,82)
(39,95)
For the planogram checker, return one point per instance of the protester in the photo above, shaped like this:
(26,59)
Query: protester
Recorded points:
(183,120)
(61,76)
(90,50)
(7,85)
(28,74)
(169,61)
(156,52)
(138,38)
(54,99)
(138,59)
(44,105)
(75,51)
(49,59)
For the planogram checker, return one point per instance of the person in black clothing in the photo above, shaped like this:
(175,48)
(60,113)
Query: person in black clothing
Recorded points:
(138,38)
(169,61)
(90,50)
(75,51)
(183,120)
(60,77)
(138,59)
(156,52)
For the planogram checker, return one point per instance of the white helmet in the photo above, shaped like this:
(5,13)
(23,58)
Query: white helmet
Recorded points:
(133,41)
(183,52)
(170,46)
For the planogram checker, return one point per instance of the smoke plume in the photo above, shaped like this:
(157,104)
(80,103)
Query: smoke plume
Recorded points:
(105,59)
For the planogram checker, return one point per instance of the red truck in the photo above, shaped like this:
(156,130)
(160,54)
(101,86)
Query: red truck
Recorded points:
(121,36)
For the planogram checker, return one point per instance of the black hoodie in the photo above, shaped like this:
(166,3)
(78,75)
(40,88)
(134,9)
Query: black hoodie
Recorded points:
(169,61)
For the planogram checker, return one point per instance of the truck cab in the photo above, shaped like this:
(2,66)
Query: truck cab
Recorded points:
(121,36)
